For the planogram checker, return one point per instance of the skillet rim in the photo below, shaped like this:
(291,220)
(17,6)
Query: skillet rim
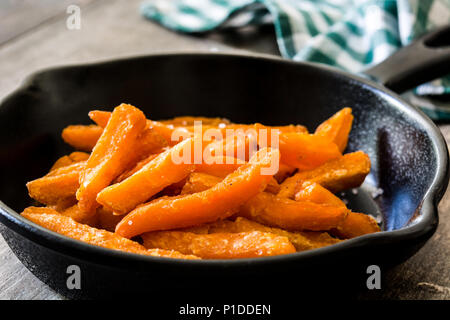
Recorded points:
(428,208)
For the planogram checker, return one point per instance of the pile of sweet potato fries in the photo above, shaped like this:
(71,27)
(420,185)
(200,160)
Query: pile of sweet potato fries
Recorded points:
(125,188)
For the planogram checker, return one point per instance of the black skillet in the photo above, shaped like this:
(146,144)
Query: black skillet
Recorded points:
(409,159)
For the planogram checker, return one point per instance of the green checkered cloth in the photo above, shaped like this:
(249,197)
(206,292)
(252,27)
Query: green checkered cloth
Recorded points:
(349,34)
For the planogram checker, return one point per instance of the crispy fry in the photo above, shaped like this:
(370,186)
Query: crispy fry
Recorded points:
(149,180)
(107,219)
(59,185)
(348,171)
(355,225)
(101,118)
(110,156)
(66,226)
(189,121)
(226,165)
(65,161)
(306,151)
(136,168)
(337,128)
(198,182)
(220,245)
(82,137)
(80,216)
(284,172)
(219,166)
(301,240)
(289,214)
(314,192)
(218,202)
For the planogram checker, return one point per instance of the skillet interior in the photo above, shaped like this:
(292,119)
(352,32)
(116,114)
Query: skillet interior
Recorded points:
(408,155)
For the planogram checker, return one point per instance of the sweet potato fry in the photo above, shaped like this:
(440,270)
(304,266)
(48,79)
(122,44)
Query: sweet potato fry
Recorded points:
(65,161)
(80,216)
(301,240)
(220,245)
(355,225)
(82,137)
(149,180)
(348,171)
(107,219)
(198,182)
(227,165)
(289,214)
(101,118)
(136,168)
(66,226)
(284,172)
(111,155)
(314,192)
(337,128)
(306,151)
(59,185)
(218,202)
(219,166)
(187,121)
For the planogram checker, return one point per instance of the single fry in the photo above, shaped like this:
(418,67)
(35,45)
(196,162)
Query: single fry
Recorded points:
(149,180)
(107,220)
(346,172)
(306,151)
(289,214)
(101,118)
(110,156)
(52,220)
(80,216)
(82,137)
(220,245)
(65,161)
(284,172)
(59,185)
(355,225)
(337,128)
(218,202)
(188,121)
(314,192)
(301,240)
(136,168)
(219,166)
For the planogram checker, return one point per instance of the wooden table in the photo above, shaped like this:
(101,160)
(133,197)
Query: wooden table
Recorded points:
(36,37)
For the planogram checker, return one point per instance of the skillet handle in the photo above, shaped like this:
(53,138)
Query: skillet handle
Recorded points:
(424,60)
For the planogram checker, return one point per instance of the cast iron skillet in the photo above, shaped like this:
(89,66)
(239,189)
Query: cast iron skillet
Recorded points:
(408,153)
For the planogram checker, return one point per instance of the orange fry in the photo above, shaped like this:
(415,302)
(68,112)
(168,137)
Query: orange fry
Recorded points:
(66,226)
(82,137)
(355,225)
(289,214)
(218,202)
(346,172)
(70,159)
(110,156)
(80,216)
(284,172)
(149,180)
(219,166)
(187,121)
(58,185)
(306,151)
(337,128)
(101,118)
(220,245)
(301,240)
(314,192)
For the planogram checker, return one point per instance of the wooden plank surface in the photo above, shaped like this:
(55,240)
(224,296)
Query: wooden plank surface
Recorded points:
(114,28)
